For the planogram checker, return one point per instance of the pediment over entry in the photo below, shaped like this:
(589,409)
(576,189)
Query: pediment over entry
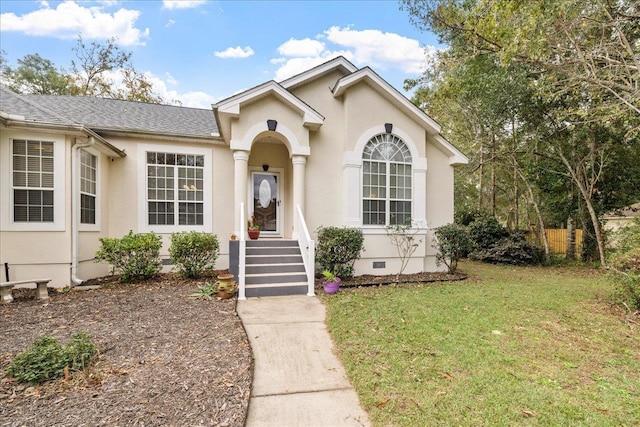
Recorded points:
(229,108)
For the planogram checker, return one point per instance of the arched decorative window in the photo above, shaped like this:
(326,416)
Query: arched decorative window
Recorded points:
(386,181)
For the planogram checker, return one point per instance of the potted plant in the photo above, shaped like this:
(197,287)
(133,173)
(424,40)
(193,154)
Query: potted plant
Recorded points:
(253,229)
(331,282)
(226,287)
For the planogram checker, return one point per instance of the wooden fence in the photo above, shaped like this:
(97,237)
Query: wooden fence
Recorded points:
(558,240)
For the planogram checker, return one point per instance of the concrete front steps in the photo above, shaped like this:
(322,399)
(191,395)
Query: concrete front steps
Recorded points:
(274,268)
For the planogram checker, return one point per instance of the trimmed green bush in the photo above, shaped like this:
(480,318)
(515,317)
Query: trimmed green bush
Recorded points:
(46,359)
(194,253)
(135,256)
(338,249)
(452,243)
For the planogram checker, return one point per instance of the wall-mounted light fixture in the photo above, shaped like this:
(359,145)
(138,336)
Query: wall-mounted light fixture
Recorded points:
(265,167)
(388,127)
(271,124)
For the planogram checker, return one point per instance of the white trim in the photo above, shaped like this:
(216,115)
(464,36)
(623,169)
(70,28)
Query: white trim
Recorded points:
(98,224)
(337,63)
(290,140)
(352,168)
(390,93)
(208,199)
(231,106)
(59,183)
(456,157)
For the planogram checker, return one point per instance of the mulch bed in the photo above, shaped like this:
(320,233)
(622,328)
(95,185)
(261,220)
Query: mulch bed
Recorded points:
(164,359)
(378,280)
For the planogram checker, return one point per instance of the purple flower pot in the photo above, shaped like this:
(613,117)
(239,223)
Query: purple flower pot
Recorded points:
(331,287)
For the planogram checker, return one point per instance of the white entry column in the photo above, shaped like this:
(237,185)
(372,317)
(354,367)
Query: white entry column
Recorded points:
(299,172)
(241,173)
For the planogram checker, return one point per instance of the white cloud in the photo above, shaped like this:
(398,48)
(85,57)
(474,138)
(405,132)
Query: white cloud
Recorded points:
(301,48)
(380,49)
(70,19)
(181,4)
(235,52)
(295,66)
(366,47)
(169,23)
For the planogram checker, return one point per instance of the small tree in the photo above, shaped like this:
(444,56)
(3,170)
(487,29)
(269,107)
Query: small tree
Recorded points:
(338,249)
(404,238)
(194,253)
(452,243)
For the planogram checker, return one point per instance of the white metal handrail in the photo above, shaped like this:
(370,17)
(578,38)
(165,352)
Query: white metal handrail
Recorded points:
(308,249)
(242,256)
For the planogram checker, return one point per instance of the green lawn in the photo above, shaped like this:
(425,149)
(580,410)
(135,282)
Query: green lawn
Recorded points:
(509,346)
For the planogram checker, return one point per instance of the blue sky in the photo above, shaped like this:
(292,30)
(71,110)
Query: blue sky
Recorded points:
(203,51)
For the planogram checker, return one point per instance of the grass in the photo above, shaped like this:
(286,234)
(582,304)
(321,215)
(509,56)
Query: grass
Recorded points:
(509,346)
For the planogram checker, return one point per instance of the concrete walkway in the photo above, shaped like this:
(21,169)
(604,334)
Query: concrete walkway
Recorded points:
(298,380)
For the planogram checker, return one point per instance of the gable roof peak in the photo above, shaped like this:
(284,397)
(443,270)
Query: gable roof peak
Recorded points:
(339,63)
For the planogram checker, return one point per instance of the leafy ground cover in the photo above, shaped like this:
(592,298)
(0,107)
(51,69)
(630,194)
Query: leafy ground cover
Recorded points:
(507,346)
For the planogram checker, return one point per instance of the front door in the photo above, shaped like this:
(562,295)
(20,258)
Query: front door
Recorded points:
(266,201)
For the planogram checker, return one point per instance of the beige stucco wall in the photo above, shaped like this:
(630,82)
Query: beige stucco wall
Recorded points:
(127,184)
(349,118)
(31,250)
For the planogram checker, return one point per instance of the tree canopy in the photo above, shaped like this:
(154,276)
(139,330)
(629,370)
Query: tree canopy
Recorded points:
(545,98)
(100,69)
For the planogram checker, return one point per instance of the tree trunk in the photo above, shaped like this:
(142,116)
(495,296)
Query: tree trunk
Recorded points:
(536,207)
(571,240)
(586,196)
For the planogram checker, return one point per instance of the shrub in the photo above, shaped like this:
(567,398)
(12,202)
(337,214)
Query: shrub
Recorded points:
(47,359)
(466,215)
(338,249)
(403,237)
(626,276)
(452,242)
(135,256)
(512,250)
(194,253)
(484,232)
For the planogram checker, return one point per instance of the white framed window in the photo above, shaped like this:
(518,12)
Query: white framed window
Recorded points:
(32,171)
(33,181)
(386,181)
(175,183)
(88,187)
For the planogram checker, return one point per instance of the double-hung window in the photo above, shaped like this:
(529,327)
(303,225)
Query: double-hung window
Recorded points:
(88,168)
(175,188)
(33,181)
(386,178)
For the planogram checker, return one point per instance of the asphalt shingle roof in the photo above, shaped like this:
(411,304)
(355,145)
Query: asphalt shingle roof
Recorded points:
(103,114)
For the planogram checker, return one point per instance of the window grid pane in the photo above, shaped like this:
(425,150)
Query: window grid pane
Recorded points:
(88,166)
(175,189)
(33,172)
(386,181)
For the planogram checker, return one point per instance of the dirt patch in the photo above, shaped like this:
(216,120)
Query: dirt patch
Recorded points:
(164,359)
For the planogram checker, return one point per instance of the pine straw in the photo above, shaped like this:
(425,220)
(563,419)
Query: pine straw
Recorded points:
(164,359)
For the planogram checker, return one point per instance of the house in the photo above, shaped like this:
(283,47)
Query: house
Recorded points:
(615,220)
(333,146)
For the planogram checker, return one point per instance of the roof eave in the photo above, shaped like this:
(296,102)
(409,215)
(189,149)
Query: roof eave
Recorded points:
(15,121)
